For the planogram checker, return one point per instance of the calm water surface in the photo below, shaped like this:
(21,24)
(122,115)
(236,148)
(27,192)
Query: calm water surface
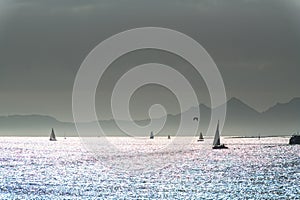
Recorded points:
(35,168)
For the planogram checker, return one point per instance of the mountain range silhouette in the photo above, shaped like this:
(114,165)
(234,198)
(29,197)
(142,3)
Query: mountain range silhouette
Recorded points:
(282,119)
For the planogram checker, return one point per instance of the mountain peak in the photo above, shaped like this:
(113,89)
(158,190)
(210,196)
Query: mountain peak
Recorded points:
(238,105)
(295,100)
(234,100)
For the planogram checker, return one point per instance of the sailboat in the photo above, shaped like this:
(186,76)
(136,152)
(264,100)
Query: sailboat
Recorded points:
(201,138)
(52,136)
(217,143)
(151,135)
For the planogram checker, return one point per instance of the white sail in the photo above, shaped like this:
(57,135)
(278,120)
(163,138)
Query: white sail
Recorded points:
(217,137)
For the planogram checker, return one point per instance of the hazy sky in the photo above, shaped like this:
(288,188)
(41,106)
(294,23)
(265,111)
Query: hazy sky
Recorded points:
(254,43)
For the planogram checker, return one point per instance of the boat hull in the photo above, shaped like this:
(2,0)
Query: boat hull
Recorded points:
(222,146)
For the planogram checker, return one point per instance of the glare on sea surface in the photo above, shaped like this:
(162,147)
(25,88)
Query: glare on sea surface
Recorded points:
(34,168)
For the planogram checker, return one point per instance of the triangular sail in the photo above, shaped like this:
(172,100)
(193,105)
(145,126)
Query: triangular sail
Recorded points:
(151,135)
(217,137)
(52,135)
(201,136)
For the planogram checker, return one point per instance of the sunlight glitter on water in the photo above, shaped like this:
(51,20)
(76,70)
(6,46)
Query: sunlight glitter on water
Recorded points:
(34,168)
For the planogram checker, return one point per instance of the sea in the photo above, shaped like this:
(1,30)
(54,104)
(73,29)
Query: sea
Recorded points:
(140,168)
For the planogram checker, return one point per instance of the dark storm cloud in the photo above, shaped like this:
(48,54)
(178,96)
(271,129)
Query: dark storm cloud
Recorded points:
(254,43)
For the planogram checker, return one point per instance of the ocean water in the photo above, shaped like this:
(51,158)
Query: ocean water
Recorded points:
(129,168)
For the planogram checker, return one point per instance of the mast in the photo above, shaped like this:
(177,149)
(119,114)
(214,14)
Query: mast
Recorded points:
(217,137)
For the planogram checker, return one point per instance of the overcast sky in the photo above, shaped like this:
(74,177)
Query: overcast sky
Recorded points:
(254,43)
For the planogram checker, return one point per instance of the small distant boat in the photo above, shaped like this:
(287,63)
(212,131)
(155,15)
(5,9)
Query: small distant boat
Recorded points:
(151,135)
(52,136)
(169,137)
(295,139)
(217,142)
(201,138)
